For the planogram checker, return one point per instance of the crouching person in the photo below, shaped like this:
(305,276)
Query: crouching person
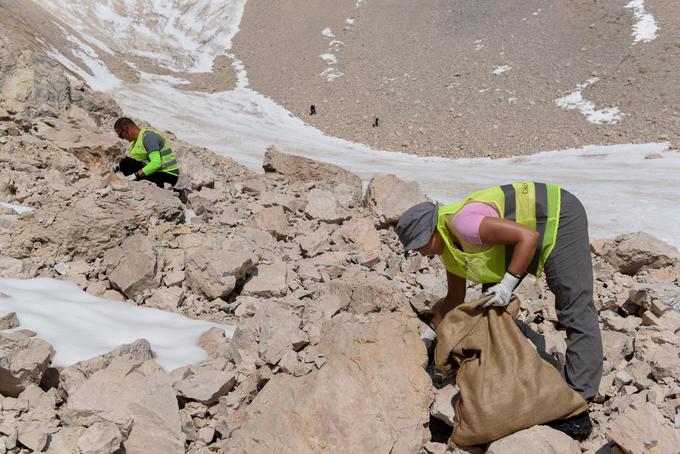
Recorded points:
(149,157)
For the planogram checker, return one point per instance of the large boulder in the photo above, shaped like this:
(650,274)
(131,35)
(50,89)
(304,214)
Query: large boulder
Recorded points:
(131,389)
(204,384)
(73,376)
(76,132)
(633,252)
(35,86)
(298,168)
(267,281)
(387,197)
(133,267)
(273,220)
(279,331)
(325,206)
(23,360)
(92,223)
(214,264)
(374,367)
(195,173)
(538,439)
(100,438)
(365,292)
(643,429)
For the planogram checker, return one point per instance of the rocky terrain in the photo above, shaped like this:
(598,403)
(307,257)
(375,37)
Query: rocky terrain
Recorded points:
(327,354)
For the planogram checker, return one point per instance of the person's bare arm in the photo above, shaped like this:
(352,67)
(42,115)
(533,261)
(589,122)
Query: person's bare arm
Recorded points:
(454,296)
(503,231)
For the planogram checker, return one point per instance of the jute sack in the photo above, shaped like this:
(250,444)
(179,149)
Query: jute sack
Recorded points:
(504,384)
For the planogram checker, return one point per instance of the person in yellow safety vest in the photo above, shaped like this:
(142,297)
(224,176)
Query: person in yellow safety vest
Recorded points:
(498,235)
(150,156)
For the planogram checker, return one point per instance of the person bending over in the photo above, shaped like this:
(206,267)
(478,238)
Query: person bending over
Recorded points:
(498,235)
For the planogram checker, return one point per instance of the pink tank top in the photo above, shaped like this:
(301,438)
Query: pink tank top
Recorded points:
(466,225)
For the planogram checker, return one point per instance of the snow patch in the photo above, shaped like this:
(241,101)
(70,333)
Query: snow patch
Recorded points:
(331,73)
(498,70)
(327,33)
(575,101)
(81,326)
(329,58)
(644,29)
(18,209)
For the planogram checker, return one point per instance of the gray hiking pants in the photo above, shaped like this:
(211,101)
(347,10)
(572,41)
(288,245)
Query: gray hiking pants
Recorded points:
(569,273)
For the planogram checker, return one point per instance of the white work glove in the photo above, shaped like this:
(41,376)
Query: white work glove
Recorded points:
(115,168)
(131,177)
(502,292)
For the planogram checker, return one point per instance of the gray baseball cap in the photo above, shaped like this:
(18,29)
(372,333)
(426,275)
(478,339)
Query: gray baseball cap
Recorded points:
(416,225)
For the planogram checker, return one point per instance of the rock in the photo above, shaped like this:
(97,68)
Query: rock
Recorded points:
(616,346)
(91,224)
(364,292)
(267,281)
(324,206)
(9,321)
(279,330)
(362,235)
(665,362)
(214,342)
(315,242)
(387,197)
(133,266)
(22,362)
(65,440)
(643,429)
(375,367)
(100,438)
(538,439)
(14,268)
(274,221)
(214,270)
(76,132)
(658,298)
(298,168)
(633,252)
(73,376)
(206,434)
(195,174)
(166,298)
(131,389)
(443,407)
(615,322)
(37,87)
(654,156)
(205,200)
(174,278)
(244,345)
(204,385)
(669,321)
(97,288)
(34,434)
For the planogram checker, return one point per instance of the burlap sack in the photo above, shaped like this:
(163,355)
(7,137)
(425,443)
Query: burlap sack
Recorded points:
(504,384)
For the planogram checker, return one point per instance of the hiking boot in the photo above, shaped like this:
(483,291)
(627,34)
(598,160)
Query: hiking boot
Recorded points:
(577,427)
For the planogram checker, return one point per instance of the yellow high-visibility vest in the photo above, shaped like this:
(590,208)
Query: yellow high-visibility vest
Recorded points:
(535,205)
(168,159)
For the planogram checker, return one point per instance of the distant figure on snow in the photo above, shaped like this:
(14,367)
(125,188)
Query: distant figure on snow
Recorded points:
(312,110)
(150,156)
(376,121)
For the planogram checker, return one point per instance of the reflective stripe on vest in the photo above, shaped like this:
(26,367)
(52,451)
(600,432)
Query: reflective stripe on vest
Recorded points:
(139,153)
(535,205)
